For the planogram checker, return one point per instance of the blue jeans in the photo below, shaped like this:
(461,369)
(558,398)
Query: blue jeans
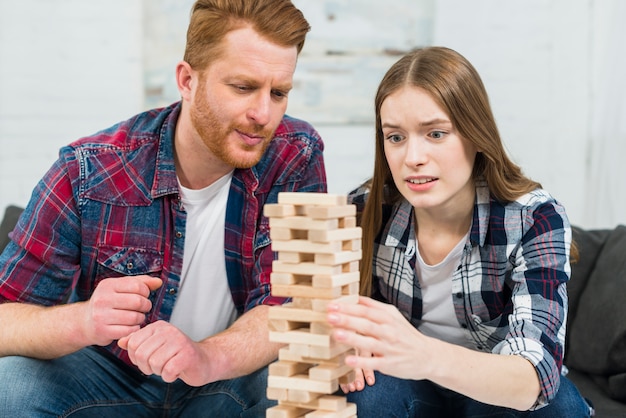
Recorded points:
(393,397)
(89,383)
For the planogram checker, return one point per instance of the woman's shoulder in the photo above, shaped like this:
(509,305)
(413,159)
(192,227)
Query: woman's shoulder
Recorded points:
(358,196)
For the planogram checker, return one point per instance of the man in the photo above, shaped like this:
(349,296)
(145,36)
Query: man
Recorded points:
(155,228)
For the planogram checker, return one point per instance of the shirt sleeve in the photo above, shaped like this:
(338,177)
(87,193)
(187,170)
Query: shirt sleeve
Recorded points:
(41,262)
(537,323)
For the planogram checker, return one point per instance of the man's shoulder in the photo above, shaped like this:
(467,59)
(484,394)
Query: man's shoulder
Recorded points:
(128,134)
(293,128)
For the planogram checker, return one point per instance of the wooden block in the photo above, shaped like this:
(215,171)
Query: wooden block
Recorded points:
(347,412)
(320,305)
(300,350)
(330,212)
(305,268)
(300,337)
(304,223)
(347,378)
(351,266)
(336,280)
(328,372)
(283,325)
(276,394)
(289,368)
(337,258)
(305,291)
(325,402)
(351,289)
(286,234)
(305,246)
(282,278)
(285,353)
(301,396)
(316,354)
(303,198)
(320,328)
(296,258)
(347,222)
(290,313)
(285,411)
(351,245)
(328,352)
(302,382)
(328,234)
(275,210)
(302,303)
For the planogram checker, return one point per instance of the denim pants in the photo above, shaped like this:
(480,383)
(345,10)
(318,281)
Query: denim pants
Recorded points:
(393,397)
(89,383)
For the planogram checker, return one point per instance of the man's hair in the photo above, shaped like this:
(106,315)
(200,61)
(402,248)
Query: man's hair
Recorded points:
(279,21)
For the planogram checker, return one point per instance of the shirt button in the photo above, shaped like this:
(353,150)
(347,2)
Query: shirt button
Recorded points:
(171,291)
(459,295)
(130,265)
(464,326)
(179,234)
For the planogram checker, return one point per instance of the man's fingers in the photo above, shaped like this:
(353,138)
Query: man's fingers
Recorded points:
(153,283)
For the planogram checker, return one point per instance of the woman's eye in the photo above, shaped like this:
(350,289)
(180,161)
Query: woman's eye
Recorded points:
(394,139)
(437,134)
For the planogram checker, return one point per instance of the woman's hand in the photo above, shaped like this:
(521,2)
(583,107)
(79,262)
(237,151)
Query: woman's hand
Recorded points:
(361,377)
(383,338)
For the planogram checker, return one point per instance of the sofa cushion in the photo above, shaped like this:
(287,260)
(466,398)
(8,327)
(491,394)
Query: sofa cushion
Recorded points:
(590,243)
(11,215)
(597,336)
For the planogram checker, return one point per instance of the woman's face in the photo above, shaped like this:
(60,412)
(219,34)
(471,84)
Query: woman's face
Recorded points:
(430,163)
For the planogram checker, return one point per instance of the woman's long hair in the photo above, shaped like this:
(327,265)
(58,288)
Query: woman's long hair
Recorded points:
(454,84)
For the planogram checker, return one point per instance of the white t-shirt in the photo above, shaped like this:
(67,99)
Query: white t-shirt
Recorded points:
(204,305)
(438,318)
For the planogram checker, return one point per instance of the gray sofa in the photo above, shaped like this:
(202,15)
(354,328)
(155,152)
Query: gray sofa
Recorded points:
(596,338)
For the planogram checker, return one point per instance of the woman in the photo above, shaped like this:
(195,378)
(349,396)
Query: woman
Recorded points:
(465,260)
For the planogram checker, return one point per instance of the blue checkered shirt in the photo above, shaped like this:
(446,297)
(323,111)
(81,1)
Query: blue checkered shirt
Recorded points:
(509,291)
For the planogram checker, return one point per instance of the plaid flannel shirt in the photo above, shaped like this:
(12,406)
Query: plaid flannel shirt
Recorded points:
(109,207)
(509,291)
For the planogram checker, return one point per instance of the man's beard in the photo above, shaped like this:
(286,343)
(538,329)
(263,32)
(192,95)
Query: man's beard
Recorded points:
(215,135)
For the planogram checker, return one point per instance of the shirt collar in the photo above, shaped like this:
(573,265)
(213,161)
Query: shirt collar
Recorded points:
(400,228)
(165,181)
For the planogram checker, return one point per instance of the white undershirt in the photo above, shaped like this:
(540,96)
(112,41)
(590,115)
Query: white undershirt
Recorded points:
(438,318)
(204,305)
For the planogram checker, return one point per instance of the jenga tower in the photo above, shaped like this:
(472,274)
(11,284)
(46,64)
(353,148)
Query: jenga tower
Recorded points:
(319,249)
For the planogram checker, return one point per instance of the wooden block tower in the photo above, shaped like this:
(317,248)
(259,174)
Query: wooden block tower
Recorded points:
(319,249)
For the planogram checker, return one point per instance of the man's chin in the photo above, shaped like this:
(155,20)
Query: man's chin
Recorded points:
(246,161)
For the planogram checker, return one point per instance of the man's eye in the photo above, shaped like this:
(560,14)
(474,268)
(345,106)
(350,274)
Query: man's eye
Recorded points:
(279,94)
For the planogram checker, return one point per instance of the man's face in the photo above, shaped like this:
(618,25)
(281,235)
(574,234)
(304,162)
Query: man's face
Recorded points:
(241,97)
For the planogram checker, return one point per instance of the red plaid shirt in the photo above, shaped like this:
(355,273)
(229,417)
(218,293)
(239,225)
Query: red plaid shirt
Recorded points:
(109,207)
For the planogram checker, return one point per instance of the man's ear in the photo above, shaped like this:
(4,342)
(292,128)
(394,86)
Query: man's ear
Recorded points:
(185,77)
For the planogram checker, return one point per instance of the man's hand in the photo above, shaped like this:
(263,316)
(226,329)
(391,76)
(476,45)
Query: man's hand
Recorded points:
(162,349)
(118,307)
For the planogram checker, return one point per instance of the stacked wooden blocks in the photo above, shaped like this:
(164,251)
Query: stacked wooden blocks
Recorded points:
(319,249)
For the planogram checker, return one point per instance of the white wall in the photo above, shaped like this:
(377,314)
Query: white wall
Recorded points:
(533,58)
(68,68)
(71,67)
